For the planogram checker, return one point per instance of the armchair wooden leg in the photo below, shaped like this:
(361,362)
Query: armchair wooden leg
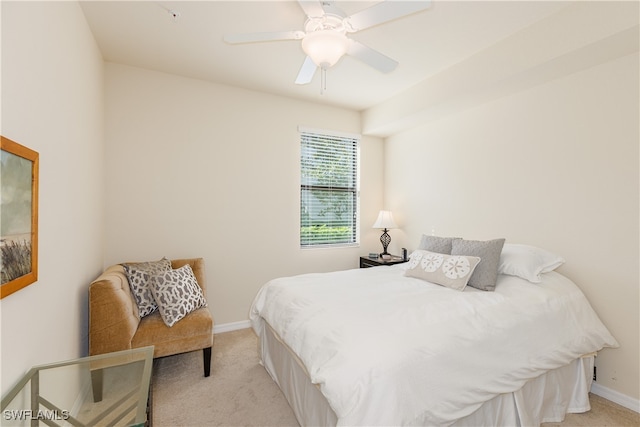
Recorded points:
(206,357)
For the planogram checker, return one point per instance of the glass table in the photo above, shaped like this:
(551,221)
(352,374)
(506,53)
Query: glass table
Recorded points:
(107,389)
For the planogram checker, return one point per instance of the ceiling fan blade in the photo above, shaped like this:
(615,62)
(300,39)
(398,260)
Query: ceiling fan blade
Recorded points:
(312,8)
(307,71)
(371,57)
(263,37)
(385,11)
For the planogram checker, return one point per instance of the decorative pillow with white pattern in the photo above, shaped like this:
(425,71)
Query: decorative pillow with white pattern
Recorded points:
(138,275)
(177,294)
(447,270)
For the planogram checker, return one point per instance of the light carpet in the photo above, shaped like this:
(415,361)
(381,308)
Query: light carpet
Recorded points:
(239,391)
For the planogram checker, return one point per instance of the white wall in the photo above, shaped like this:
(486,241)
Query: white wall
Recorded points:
(197,169)
(52,75)
(555,166)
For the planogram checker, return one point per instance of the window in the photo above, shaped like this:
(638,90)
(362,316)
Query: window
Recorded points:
(329,193)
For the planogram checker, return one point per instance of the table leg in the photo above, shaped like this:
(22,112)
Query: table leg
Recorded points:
(96,384)
(35,398)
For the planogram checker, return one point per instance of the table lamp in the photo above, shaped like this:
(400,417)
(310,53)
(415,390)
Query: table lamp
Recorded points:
(385,222)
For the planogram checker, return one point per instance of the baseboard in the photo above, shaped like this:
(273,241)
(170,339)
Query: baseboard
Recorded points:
(233,326)
(616,397)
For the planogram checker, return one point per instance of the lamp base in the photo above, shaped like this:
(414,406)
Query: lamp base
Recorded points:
(385,239)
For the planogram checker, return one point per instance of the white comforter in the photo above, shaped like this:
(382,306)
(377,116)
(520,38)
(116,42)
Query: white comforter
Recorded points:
(387,349)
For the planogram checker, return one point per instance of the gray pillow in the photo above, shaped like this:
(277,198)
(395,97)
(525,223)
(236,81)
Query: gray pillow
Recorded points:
(485,275)
(177,294)
(138,275)
(441,245)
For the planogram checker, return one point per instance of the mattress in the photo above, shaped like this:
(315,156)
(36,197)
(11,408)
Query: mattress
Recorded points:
(385,349)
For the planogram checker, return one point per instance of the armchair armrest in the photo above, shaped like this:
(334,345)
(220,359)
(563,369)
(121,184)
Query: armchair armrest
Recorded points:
(113,313)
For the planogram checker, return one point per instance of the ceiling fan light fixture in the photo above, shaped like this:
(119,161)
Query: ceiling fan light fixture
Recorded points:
(325,47)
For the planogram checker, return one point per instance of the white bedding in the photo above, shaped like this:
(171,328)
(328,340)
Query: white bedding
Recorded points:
(386,349)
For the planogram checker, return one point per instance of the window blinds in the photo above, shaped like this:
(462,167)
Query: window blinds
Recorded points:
(329,188)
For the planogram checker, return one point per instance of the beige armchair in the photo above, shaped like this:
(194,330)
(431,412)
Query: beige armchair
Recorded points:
(114,323)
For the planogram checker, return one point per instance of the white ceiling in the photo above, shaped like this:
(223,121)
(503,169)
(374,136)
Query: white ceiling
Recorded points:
(145,34)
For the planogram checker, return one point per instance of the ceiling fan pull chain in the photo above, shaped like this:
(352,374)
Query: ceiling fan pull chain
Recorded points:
(323,80)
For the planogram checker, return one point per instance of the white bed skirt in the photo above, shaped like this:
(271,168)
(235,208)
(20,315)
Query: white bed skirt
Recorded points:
(544,399)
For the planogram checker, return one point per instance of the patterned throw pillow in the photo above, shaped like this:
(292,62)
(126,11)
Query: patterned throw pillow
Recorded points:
(486,275)
(177,293)
(447,270)
(138,275)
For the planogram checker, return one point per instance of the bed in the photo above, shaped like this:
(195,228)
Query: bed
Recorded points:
(376,346)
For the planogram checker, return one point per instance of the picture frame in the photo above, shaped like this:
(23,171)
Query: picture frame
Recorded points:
(18,216)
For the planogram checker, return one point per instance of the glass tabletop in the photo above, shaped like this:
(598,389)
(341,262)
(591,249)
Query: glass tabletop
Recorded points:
(107,389)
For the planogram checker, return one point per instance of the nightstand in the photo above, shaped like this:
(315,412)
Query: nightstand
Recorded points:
(365,261)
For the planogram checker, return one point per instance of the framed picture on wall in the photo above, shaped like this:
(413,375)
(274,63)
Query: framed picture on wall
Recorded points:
(18,217)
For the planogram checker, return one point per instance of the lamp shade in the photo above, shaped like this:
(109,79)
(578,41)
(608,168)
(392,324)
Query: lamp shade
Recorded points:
(385,220)
(325,47)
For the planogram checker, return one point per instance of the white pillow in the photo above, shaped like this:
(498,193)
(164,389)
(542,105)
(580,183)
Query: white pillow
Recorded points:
(527,261)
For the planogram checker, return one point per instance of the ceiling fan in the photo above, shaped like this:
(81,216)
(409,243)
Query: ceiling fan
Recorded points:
(325,40)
